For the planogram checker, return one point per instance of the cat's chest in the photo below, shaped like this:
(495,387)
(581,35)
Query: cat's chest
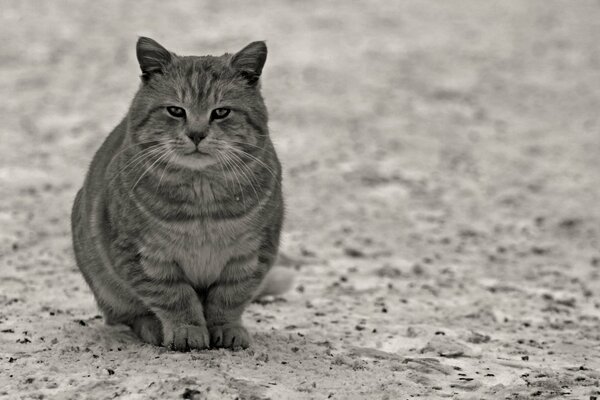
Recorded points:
(203,249)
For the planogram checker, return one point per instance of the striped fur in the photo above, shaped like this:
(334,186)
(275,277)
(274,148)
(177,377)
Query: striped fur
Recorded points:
(174,238)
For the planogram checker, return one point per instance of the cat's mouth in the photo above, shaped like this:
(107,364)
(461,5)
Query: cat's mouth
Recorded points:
(198,153)
(195,159)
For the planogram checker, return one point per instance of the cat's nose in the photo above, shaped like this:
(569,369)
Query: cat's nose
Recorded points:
(196,136)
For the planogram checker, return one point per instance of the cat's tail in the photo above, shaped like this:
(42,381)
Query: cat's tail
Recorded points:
(278,281)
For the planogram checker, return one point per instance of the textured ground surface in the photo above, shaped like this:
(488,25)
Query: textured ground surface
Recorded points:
(443,185)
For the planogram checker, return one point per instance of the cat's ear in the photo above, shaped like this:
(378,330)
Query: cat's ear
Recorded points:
(153,58)
(250,61)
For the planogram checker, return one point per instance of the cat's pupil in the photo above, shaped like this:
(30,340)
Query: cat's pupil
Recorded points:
(219,113)
(177,112)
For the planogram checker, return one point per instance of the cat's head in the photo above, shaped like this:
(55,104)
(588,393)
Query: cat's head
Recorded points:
(199,111)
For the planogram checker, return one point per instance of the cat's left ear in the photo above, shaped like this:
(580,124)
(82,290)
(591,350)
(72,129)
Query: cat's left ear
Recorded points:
(153,58)
(250,61)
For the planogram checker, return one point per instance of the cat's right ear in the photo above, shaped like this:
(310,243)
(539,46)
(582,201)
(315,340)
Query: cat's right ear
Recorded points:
(152,57)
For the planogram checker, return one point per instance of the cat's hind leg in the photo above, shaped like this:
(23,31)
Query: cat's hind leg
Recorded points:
(114,298)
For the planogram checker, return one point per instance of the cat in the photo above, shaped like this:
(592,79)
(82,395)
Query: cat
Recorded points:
(178,222)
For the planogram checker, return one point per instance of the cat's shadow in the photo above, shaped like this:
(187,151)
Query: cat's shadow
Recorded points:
(274,345)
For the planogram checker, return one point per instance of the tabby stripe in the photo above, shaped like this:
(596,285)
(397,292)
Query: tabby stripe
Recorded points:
(147,117)
(164,219)
(266,258)
(160,292)
(238,268)
(251,277)
(172,299)
(231,296)
(144,279)
(260,129)
(165,214)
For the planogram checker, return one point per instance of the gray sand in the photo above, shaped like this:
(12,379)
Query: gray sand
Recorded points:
(442,178)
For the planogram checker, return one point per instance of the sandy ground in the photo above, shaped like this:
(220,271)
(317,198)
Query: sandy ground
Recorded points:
(443,190)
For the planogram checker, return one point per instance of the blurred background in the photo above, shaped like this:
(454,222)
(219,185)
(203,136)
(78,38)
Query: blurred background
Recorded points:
(440,160)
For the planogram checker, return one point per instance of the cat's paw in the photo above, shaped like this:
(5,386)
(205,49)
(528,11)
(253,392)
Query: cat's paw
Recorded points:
(232,336)
(149,329)
(188,337)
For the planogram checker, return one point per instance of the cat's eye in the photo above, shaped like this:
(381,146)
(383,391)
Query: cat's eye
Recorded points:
(176,112)
(219,113)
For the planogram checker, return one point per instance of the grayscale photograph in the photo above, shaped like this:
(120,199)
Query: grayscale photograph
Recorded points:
(254,200)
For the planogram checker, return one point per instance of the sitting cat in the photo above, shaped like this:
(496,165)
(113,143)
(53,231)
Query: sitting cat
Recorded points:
(177,224)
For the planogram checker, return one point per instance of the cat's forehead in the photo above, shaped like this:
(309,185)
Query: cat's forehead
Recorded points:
(203,66)
(197,76)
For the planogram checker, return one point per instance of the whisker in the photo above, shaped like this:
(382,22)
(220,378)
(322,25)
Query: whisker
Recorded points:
(137,144)
(242,143)
(138,157)
(171,153)
(148,169)
(138,163)
(220,160)
(243,169)
(256,134)
(233,172)
(238,151)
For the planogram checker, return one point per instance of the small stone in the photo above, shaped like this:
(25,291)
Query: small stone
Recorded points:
(477,338)
(448,347)
(190,393)
(307,253)
(418,269)
(411,332)
(352,252)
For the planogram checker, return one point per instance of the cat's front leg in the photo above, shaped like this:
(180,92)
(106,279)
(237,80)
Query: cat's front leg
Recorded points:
(226,300)
(163,288)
